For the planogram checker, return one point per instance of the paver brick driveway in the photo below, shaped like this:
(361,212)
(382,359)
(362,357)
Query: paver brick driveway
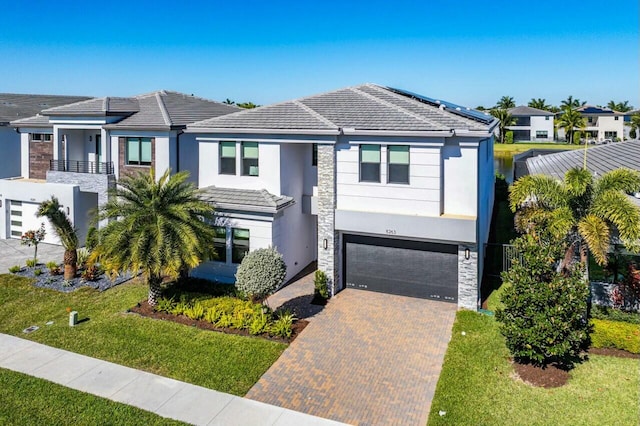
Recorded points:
(366,359)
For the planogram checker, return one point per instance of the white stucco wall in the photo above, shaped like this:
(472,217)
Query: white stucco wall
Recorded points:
(421,196)
(10,150)
(268,163)
(32,192)
(189,155)
(166,155)
(459,179)
(541,123)
(610,124)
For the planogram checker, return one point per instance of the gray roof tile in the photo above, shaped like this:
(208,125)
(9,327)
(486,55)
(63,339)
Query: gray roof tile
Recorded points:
(600,159)
(259,200)
(96,107)
(15,106)
(364,107)
(35,121)
(525,111)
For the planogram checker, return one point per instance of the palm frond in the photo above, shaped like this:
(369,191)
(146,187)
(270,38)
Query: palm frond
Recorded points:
(578,181)
(61,224)
(618,209)
(595,231)
(539,190)
(625,180)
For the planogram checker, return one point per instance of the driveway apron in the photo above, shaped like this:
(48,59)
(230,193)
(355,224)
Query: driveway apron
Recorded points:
(366,359)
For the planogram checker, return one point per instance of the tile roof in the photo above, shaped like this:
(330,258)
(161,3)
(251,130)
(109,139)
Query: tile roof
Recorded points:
(254,200)
(364,107)
(35,121)
(15,106)
(600,159)
(526,111)
(96,107)
(171,109)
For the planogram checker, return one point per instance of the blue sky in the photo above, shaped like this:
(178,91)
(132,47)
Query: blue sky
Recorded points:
(468,52)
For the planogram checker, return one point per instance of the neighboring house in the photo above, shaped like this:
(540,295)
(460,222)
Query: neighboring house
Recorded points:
(532,124)
(600,123)
(15,106)
(388,190)
(627,128)
(77,151)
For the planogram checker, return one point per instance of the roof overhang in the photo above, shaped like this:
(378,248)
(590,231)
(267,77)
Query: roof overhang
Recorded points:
(262,131)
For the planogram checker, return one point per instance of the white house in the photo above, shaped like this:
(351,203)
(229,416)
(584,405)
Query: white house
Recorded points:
(532,124)
(77,151)
(14,106)
(390,191)
(600,123)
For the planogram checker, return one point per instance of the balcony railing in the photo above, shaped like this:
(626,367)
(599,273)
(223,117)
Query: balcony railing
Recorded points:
(74,166)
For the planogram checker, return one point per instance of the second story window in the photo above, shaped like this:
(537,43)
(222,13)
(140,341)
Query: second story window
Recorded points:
(239,244)
(41,137)
(369,163)
(227,158)
(249,158)
(398,163)
(139,151)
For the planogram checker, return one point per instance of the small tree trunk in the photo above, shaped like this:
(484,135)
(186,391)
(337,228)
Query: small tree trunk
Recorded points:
(35,254)
(155,291)
(70,264)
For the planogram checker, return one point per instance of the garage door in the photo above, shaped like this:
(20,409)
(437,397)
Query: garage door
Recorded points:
(407,268)
(22,217)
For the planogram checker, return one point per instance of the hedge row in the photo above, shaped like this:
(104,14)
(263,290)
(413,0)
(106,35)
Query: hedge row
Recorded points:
(616,334)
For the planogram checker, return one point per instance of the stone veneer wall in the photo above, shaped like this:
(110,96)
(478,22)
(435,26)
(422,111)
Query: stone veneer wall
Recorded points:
(40,153)
(468,277)
(88,182)
(127,169)
(328,260)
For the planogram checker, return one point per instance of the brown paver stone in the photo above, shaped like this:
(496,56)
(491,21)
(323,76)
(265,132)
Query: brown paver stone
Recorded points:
(366,359)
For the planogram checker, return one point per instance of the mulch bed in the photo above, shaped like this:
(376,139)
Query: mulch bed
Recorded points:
(145,310)
(549,377)
(613,352)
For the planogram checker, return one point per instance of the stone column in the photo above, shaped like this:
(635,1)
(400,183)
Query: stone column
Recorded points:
(468,277)
(328,257)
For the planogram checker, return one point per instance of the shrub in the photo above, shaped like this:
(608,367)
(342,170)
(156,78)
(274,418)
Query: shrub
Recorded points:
(180,308)
(261,272)
(320,284)
(54,268)
(83,256)
(91,273)
(544,314)
(508,137)
(283,325)
(259,324)
(615,334)
(14,269)
(91,242)
(195,312)
(164,304)
(606,313)
(577,135)
(31,263)
(37,272)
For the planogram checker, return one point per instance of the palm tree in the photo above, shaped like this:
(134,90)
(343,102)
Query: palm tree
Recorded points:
(620,106)
(570,120)
(506,120)
(634,123)
(581,210)
(571,103)
(505,102)
(63,228)
(539,103)
(158,227)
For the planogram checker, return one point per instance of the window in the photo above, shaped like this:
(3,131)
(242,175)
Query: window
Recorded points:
(249,158)
(220,243)
(610,135)
(314,155)
(398,163)
(369,163)
(239,244)
(546,118)
(139,151)
(227,158)
(616,118)
(590,119)
(542,134)
(41,137)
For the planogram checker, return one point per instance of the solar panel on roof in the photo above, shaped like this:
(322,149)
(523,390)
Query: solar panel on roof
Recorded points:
(472,114)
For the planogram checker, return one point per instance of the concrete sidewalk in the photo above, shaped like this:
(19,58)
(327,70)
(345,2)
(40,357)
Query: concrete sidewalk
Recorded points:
(160,395)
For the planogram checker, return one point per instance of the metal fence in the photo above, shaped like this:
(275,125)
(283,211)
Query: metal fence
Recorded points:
(75,166)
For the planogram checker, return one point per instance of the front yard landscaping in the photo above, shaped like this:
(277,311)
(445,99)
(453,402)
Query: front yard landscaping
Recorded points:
(227,363)
(477,385)
(33,401)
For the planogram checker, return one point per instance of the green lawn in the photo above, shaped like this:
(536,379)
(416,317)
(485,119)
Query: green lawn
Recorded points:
(28,400)
(227,363)
(524,146)
(476,386)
